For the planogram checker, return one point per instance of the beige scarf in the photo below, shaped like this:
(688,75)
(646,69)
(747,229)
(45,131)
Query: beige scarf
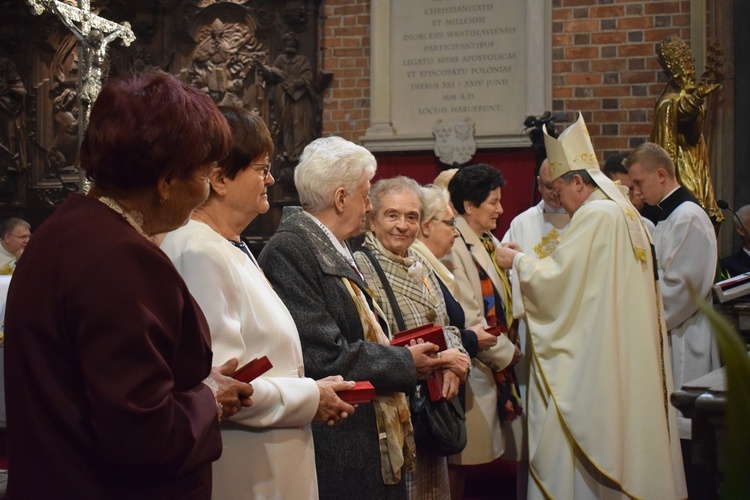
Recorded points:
(397,448)
(438,267)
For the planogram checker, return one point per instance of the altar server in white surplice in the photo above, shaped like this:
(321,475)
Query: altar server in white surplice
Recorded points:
(686,254)
(268,448)
(537,231)
(599,420)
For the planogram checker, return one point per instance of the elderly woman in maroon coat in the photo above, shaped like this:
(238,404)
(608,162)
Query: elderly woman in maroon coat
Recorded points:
(112,392)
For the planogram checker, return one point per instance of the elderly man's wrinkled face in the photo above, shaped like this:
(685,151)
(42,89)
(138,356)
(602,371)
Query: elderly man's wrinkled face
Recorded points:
(569,193)
(545,187)
(396,222)
(16,239)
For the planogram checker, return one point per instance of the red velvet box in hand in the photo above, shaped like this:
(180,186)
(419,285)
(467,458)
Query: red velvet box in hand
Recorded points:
(494,330)
(435,386)
(428,333)
(253,369)
(362,392)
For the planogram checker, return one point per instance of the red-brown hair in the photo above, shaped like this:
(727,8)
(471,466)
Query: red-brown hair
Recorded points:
(144,126)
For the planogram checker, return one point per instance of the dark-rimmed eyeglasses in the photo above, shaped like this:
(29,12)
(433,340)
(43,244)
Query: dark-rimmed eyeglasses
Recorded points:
(449,222)
(265,171)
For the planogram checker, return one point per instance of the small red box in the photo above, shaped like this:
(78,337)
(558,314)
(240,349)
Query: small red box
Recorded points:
(494,330)
(428,333)
(252,369)
(362,392)
(435,386)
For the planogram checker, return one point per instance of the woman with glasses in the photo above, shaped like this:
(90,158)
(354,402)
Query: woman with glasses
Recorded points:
(248,320)
(437,231)
(14,235)
(393,226)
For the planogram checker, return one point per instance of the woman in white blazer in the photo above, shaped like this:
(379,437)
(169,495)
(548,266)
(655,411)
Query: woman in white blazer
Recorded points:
(270,442)
(475,193)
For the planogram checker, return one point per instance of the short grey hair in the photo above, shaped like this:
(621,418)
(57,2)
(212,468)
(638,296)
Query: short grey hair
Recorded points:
(9,225)
(399,184)
(743,214)
(435,199)
(327,164)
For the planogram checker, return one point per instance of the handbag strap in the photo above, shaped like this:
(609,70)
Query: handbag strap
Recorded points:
(386,287)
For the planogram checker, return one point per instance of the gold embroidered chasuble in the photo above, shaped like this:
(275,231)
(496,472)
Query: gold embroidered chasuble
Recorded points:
(599,421)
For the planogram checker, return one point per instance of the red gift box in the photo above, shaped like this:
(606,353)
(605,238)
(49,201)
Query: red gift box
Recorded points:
(435,386)
(362,392)
(428,333)
(494,330)
(252,369)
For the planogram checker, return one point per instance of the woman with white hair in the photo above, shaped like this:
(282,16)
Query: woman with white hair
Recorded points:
(311,268)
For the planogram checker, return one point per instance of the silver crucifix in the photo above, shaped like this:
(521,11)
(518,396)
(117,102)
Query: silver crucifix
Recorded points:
(94,33)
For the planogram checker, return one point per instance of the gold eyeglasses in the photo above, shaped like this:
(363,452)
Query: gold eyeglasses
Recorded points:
(265,171)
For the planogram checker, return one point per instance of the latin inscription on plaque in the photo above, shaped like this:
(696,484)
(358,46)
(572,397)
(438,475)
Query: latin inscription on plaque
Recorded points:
(452,59)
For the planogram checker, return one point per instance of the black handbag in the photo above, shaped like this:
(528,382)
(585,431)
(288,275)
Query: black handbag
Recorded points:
(439,426)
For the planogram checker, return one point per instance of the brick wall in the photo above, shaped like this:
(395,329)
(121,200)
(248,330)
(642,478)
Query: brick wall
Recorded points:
(346,53)
(604,64)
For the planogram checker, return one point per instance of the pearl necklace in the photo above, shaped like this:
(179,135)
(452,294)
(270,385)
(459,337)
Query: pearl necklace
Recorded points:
(134,217)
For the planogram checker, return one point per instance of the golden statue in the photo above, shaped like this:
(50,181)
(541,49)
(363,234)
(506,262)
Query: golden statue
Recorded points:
(679,115)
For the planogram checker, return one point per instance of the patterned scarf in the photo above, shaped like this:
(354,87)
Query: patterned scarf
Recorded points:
(508,394)
(489,245)
(397,448)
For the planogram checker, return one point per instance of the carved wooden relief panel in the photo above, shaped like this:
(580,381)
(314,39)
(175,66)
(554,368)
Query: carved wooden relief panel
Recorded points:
(258,54)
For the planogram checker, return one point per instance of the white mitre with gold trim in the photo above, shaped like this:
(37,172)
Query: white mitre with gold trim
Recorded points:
(572,150)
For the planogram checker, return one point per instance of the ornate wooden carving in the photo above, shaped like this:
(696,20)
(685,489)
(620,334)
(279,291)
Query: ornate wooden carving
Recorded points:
(241,52)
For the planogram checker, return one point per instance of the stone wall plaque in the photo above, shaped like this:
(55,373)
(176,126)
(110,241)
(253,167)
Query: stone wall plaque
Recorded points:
(486,60)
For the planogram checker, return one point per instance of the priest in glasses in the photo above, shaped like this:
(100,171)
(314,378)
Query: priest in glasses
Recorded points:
(599,420)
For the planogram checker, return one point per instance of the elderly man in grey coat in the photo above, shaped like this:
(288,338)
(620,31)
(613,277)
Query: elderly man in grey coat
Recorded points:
(310,266)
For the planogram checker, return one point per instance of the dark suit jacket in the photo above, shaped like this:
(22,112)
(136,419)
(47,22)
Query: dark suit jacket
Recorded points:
(104,356)
(306,270)
(736,264)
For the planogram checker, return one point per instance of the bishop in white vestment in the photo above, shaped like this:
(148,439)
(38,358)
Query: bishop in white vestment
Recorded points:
(599,420)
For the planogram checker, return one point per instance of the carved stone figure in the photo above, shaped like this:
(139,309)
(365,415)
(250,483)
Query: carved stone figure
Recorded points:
(293,98)
(679,116)
(12,99)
